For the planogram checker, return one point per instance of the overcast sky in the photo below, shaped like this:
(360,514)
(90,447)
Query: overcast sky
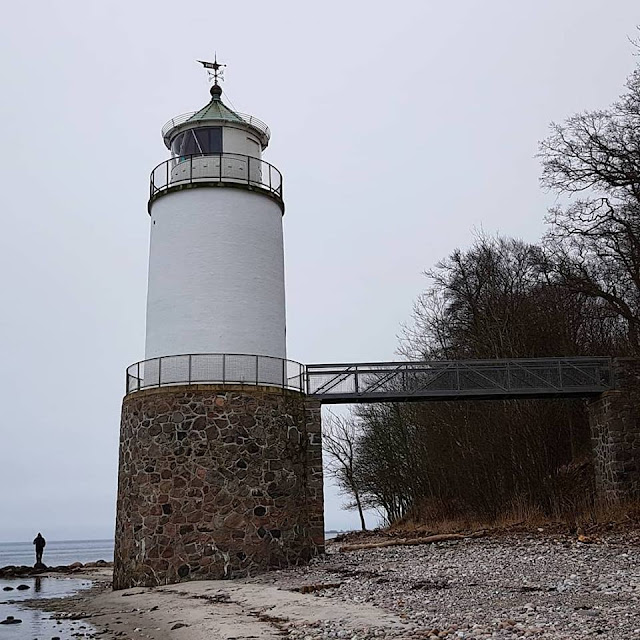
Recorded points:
(399,128)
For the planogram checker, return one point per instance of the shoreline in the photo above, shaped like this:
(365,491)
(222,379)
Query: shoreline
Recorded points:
(526,586)
(57,552)
(11,571)
(25,603)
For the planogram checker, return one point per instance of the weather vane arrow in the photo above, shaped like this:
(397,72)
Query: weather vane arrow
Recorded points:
(214,69)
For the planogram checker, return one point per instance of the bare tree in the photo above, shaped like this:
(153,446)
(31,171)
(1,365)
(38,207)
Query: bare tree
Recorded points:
(577,294)
(593,159)
(428,461)
(339,438)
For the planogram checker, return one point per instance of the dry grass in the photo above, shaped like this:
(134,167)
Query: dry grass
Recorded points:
(521,516)
(588,524)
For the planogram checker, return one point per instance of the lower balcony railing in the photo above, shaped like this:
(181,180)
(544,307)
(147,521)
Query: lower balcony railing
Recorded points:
(229,168)
(215,368)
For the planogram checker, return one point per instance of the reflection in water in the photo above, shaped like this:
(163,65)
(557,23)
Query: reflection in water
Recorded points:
(36,623)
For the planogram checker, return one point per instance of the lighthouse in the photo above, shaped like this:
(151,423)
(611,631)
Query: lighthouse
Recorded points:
(220,469)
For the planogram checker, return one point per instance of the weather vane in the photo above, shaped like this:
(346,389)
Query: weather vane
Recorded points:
(218,69)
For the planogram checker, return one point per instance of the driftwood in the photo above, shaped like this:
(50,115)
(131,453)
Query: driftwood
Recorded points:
(311,588)
(408,542)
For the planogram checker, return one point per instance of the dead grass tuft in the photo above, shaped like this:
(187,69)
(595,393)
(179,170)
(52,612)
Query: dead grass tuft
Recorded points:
(521,516)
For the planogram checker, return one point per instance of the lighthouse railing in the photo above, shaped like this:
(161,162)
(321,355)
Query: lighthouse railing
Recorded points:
(233,168)
(245,117)
(215,368)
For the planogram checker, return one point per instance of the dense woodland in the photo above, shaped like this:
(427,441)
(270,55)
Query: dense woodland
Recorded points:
(575,293)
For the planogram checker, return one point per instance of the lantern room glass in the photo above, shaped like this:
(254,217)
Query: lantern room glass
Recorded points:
(200,141)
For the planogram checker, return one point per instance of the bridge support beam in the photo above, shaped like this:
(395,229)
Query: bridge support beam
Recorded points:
(614,418)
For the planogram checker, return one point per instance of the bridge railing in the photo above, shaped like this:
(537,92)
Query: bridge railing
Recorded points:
(406,381)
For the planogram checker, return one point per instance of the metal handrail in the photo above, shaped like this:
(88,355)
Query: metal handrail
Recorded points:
(193,169)
(248,119)
(215,368)
(420,364)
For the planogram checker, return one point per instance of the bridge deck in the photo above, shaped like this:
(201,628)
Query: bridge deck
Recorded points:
(459,380)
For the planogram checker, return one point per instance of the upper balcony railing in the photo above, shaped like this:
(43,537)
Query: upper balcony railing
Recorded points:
(228,168)
(250,120)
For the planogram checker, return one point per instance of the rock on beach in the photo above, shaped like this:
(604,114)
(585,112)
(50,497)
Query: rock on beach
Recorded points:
(23,571)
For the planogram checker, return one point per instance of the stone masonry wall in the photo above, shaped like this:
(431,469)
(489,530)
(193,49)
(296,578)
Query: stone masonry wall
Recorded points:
(615,431)
(216,482)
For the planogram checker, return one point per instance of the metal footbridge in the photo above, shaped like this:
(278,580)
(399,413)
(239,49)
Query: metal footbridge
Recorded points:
(459,380)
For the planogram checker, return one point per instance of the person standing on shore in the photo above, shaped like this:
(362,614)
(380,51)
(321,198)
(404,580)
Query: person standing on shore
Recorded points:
(40,543)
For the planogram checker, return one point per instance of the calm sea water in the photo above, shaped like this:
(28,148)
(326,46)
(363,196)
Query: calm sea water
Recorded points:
(56,552)
(59,552)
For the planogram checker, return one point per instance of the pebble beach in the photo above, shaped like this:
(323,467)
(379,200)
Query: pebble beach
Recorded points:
(504,588)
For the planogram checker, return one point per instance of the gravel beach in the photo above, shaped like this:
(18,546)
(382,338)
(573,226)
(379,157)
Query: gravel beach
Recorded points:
(490,588)
(503,587)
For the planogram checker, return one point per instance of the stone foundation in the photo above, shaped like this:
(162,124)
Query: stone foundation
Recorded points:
(615,431)
(216,482)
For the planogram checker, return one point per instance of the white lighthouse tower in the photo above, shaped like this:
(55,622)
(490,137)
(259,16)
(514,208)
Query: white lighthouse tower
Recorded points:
(216,263)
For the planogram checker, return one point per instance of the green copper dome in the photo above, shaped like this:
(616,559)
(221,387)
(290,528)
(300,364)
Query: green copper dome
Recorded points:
(215,110)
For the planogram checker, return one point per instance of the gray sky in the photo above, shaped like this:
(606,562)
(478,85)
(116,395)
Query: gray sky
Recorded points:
(399,128)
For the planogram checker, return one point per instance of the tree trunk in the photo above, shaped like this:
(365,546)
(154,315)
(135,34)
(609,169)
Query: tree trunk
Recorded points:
(356,494)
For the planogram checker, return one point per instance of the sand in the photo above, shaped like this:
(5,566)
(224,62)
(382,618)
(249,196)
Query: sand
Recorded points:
(212,609)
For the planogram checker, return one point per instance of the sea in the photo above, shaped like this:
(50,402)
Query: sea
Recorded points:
(59,552)
(56,552)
